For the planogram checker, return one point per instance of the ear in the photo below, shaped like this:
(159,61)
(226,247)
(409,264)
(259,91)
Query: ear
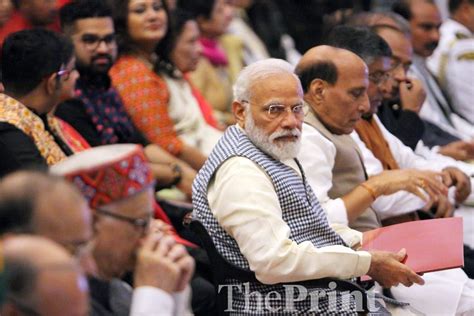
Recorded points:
(317,88)
(52,84)
(239,112)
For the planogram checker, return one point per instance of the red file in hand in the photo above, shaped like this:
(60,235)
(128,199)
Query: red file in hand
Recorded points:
(432,245)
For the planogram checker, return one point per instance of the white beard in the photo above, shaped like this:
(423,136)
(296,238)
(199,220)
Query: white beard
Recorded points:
(280,150)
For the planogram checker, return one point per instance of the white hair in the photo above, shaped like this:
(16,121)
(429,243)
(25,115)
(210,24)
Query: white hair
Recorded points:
(258,71)
(279,150)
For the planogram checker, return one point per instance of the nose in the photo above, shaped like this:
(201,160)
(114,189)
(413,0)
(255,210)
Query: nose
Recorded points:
(399,74)
(103,47)
(435,35)
(364,105)
(290,120)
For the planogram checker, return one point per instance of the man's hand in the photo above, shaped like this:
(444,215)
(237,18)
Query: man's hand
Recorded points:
(388,270)
(454,176)
(185,264)
(460,150)
(444,208)
(155,267)
(411,180)
(412,95)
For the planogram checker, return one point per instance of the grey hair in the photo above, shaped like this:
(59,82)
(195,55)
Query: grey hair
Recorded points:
(400,21)
(258,71)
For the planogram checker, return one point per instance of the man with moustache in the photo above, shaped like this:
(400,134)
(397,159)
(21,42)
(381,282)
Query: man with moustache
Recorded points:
(453,60)
(252,197)
(97,112)
(332,106)
(425,21)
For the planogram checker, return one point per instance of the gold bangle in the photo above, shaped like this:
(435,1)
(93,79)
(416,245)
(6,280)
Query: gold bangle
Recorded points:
(370,190)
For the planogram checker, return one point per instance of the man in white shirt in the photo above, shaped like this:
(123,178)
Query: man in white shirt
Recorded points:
(252,197)
(425,21)
(337,105)
(453,60)
(118,185)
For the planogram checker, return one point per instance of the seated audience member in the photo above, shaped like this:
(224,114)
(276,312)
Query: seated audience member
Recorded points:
(48,284)
(180,54)
(97,111)
(253,47)
(252,198)
(221,55)
(6,8)
(425,20)
(143,92)
(31,14)
(38,73)
(337,98)
(402,54)
(119,188)
(401,106)
(452,61)
(29,203)
(331,154)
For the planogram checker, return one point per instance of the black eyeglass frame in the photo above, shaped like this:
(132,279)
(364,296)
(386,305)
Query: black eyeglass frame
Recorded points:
(137,222)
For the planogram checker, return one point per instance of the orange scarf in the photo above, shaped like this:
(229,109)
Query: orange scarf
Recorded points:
(18,115)
(370,133)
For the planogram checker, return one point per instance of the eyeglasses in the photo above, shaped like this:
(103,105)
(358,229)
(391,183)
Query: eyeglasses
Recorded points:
(275,111)
(397,63)
(141,223)
(379,77)
(92,42)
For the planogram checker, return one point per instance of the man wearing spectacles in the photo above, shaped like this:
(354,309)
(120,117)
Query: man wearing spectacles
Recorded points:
(97,111)
(338,166)
(119,187)
(38,73)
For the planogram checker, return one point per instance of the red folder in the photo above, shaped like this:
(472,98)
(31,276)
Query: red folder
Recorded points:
(432,245)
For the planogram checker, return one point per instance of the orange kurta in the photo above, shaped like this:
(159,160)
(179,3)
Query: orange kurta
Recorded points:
(146,97)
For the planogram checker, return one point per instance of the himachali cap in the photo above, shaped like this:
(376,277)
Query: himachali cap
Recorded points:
(108,173)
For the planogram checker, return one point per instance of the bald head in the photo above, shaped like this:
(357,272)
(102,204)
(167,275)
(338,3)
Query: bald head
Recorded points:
(335,83)
(49,284)
(325,63)
(35,202)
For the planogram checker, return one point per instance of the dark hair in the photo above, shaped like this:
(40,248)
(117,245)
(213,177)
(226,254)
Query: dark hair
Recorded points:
(120,14)
(455,4)
(19,195)
(199,8)
(164,49)
(402,7)
(83,9)
(362,41)
(324,70)
(29,56)
(21,279)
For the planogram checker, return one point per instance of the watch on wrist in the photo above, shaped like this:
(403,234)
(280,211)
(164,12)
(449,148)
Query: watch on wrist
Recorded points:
(177,173)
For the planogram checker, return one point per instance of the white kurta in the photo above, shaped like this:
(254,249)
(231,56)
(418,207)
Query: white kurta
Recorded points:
(147,300)
(243,199)
(453,64)
(444,292)
(186,114)
(318,159)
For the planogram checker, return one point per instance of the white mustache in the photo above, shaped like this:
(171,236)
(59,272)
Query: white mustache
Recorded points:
(285,133)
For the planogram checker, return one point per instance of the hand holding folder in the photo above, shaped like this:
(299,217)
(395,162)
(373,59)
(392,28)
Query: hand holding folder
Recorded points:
(431,245)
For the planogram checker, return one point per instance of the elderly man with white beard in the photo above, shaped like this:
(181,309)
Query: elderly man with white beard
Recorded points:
(252,197)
